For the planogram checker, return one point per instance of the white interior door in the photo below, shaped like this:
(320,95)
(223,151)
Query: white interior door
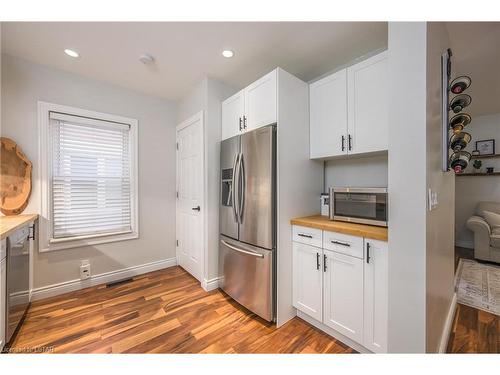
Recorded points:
(190,196)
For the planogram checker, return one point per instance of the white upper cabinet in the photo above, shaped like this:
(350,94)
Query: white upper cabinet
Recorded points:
(260,102)
(376,296)
(343,294)
(251,108)
(308,279)
(233,110)
(328,115)
(367,105)
(348,110)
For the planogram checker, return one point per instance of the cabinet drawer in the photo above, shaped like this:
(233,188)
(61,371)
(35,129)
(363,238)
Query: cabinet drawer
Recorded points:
(343,243)
(308,236)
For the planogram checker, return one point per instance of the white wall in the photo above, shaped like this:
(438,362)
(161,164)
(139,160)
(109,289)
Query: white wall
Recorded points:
(207,96)
(421,253)
(407,185)
(472,190)
(23,85)
(440,255)
(358,172)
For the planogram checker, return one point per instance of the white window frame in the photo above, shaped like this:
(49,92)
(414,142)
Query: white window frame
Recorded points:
(46,242)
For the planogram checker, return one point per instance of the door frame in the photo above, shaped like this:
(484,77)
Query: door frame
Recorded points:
(204,258)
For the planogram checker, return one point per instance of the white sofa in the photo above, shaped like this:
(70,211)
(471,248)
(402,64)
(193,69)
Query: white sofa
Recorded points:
(486,240)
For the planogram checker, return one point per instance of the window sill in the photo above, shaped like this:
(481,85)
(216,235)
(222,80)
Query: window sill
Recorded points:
(69,243)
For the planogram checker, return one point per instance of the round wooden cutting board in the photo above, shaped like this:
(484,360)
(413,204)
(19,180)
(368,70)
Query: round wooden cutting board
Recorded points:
(15,178)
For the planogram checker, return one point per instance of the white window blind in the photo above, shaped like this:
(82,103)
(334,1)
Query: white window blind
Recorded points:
(91,181)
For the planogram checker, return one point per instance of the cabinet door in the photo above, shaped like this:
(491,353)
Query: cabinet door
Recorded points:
(233,109)
(367,105)
(307,279)
(376,296)
(3,286)
(328,116)
(343,294)
(261,102)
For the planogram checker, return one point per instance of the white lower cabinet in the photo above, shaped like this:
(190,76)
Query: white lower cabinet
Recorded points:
(343,294)
(3,291)
(308,279)
(376,296)
(346,290)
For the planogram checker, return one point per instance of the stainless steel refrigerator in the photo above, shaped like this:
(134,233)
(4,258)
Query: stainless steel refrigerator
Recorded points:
(247,251)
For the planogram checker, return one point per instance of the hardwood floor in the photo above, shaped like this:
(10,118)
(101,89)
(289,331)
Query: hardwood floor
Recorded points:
(161,312)
(474,331)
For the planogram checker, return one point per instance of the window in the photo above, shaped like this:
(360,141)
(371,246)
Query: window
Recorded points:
(89,177)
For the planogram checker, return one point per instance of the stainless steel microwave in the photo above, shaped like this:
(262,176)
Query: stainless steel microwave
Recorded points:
(359,205)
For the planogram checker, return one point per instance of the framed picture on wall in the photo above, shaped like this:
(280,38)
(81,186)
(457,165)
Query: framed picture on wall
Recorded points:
(486,147)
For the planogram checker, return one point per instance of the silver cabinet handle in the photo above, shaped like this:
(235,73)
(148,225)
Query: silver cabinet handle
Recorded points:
(317,261)
(197,208)
(304,235)
(32,234)
(343,142)
(341,243)
(241,250)
(240,124)
(324,262)
(367,252)
(349,142)
(244,122)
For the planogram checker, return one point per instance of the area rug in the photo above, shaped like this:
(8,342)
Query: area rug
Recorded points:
(478,285)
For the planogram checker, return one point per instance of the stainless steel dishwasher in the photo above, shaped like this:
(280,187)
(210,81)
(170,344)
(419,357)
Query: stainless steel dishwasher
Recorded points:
(18,263)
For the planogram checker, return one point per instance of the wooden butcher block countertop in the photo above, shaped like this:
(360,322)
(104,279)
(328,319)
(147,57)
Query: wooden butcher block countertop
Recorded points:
(360,230)
(9,224)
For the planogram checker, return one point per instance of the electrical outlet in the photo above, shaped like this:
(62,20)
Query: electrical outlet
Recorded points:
(84,271)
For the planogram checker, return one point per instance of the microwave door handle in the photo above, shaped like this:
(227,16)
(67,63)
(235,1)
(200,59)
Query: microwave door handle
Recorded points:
(234,189)
(241,197)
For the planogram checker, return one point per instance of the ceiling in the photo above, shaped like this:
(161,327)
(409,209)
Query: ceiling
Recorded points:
(186,52)
(476,53)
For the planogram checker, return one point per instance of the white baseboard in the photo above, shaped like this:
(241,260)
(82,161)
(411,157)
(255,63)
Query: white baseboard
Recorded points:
(465,243)
(107,277)
(447,325)
(211,284)
(336,335)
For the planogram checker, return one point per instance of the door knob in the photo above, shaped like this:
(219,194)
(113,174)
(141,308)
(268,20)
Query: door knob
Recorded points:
(197,208)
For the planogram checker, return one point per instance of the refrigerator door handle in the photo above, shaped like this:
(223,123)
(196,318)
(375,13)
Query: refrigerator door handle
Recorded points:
(241,196)
(234,184)
(241,250)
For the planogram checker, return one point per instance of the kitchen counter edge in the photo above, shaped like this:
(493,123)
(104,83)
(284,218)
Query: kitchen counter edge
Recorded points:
(9,224)
(361,230)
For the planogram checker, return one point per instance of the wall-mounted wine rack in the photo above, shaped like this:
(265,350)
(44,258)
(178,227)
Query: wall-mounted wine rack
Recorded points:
(455,139)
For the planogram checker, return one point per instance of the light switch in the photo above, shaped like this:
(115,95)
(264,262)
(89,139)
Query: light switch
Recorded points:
(432,199)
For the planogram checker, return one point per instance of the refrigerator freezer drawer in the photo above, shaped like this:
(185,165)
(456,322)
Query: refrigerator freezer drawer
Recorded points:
(247,276)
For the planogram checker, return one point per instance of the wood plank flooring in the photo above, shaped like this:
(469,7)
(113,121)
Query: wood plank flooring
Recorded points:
(474,331)
(164,311)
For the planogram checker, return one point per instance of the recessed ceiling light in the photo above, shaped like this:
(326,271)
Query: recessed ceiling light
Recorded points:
(146,59)
(227,53)
(71,53)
